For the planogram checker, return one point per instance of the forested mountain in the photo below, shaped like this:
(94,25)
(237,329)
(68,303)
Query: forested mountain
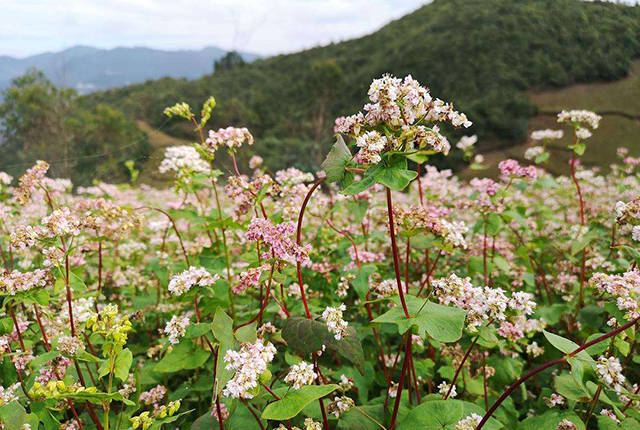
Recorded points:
(483,54)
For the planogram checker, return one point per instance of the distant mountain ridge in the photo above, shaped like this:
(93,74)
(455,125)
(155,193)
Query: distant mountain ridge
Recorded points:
(90,69)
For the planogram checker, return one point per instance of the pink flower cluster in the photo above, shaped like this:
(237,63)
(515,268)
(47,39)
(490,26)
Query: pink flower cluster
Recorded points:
(511,168)
(278,238)
(231,137)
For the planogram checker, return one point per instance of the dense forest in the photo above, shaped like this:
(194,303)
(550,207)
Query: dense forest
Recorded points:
(486,55)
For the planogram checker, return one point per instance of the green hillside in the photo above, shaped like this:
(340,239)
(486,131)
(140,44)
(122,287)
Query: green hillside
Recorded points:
(482,54)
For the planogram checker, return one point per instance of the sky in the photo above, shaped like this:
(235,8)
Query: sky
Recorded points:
(264,27)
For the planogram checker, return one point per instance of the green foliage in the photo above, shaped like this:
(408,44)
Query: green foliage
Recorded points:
(83,142)
(443,323)
(294,401)
(308,336)
(443,414)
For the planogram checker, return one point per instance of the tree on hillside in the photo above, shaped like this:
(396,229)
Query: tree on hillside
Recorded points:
(231,60)
(39,121)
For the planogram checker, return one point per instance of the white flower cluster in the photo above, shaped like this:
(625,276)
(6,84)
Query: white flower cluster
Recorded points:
(335,323)
(407,107)
(16,281)
(340,405)
(193,276)
(466,142)
(554,400)
(580,117)
(469,423)
(625,288)
(231,137)
(5,178)
(70,346)
(443,388)
(453,233)
(249,363)
(609,370)
(176,328)
(371,144)
(487,304)
(547,134)
(532,152)
(61,223)
(565,424)
(300,374)
(183,160)
(583,133)
(7,395)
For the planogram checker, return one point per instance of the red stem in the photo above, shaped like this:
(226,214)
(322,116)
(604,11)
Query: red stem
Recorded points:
(534,372)
(405,364)
(394,249)
(299,240)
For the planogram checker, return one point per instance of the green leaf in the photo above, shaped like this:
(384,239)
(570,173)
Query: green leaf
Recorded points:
(550,420)
(197,330)
(306,336)
(247,333)
(295,400)
(442,323)
(123,364)
(443,415)
(183,356)
(368,180)
(360,418)
(361,281)
(222,327)
(566,346)
(13,415)
(336,160)
(396,176)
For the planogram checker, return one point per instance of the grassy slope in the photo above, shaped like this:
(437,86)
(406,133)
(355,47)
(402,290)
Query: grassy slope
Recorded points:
(619,104)
(159,142)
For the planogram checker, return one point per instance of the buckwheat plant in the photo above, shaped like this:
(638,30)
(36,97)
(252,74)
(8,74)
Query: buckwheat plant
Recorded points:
(378,292)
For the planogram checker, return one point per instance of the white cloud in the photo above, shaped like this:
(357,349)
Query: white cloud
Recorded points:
(266,27)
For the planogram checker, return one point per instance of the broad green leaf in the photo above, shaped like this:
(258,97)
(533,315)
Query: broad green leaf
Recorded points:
(306,336)
(183,356)
(336,160)
(567,386)
(566,346)
(443,415)
(295,400)
(550,420)
(361,281)
(368,180)
(247,333)
(222,327)
(361,418)
(442,323)
(13,415)
(606,423)
(197,330)
(123,364)
(396,178)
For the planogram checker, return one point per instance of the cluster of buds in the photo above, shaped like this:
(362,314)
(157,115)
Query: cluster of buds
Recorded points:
(111,325)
